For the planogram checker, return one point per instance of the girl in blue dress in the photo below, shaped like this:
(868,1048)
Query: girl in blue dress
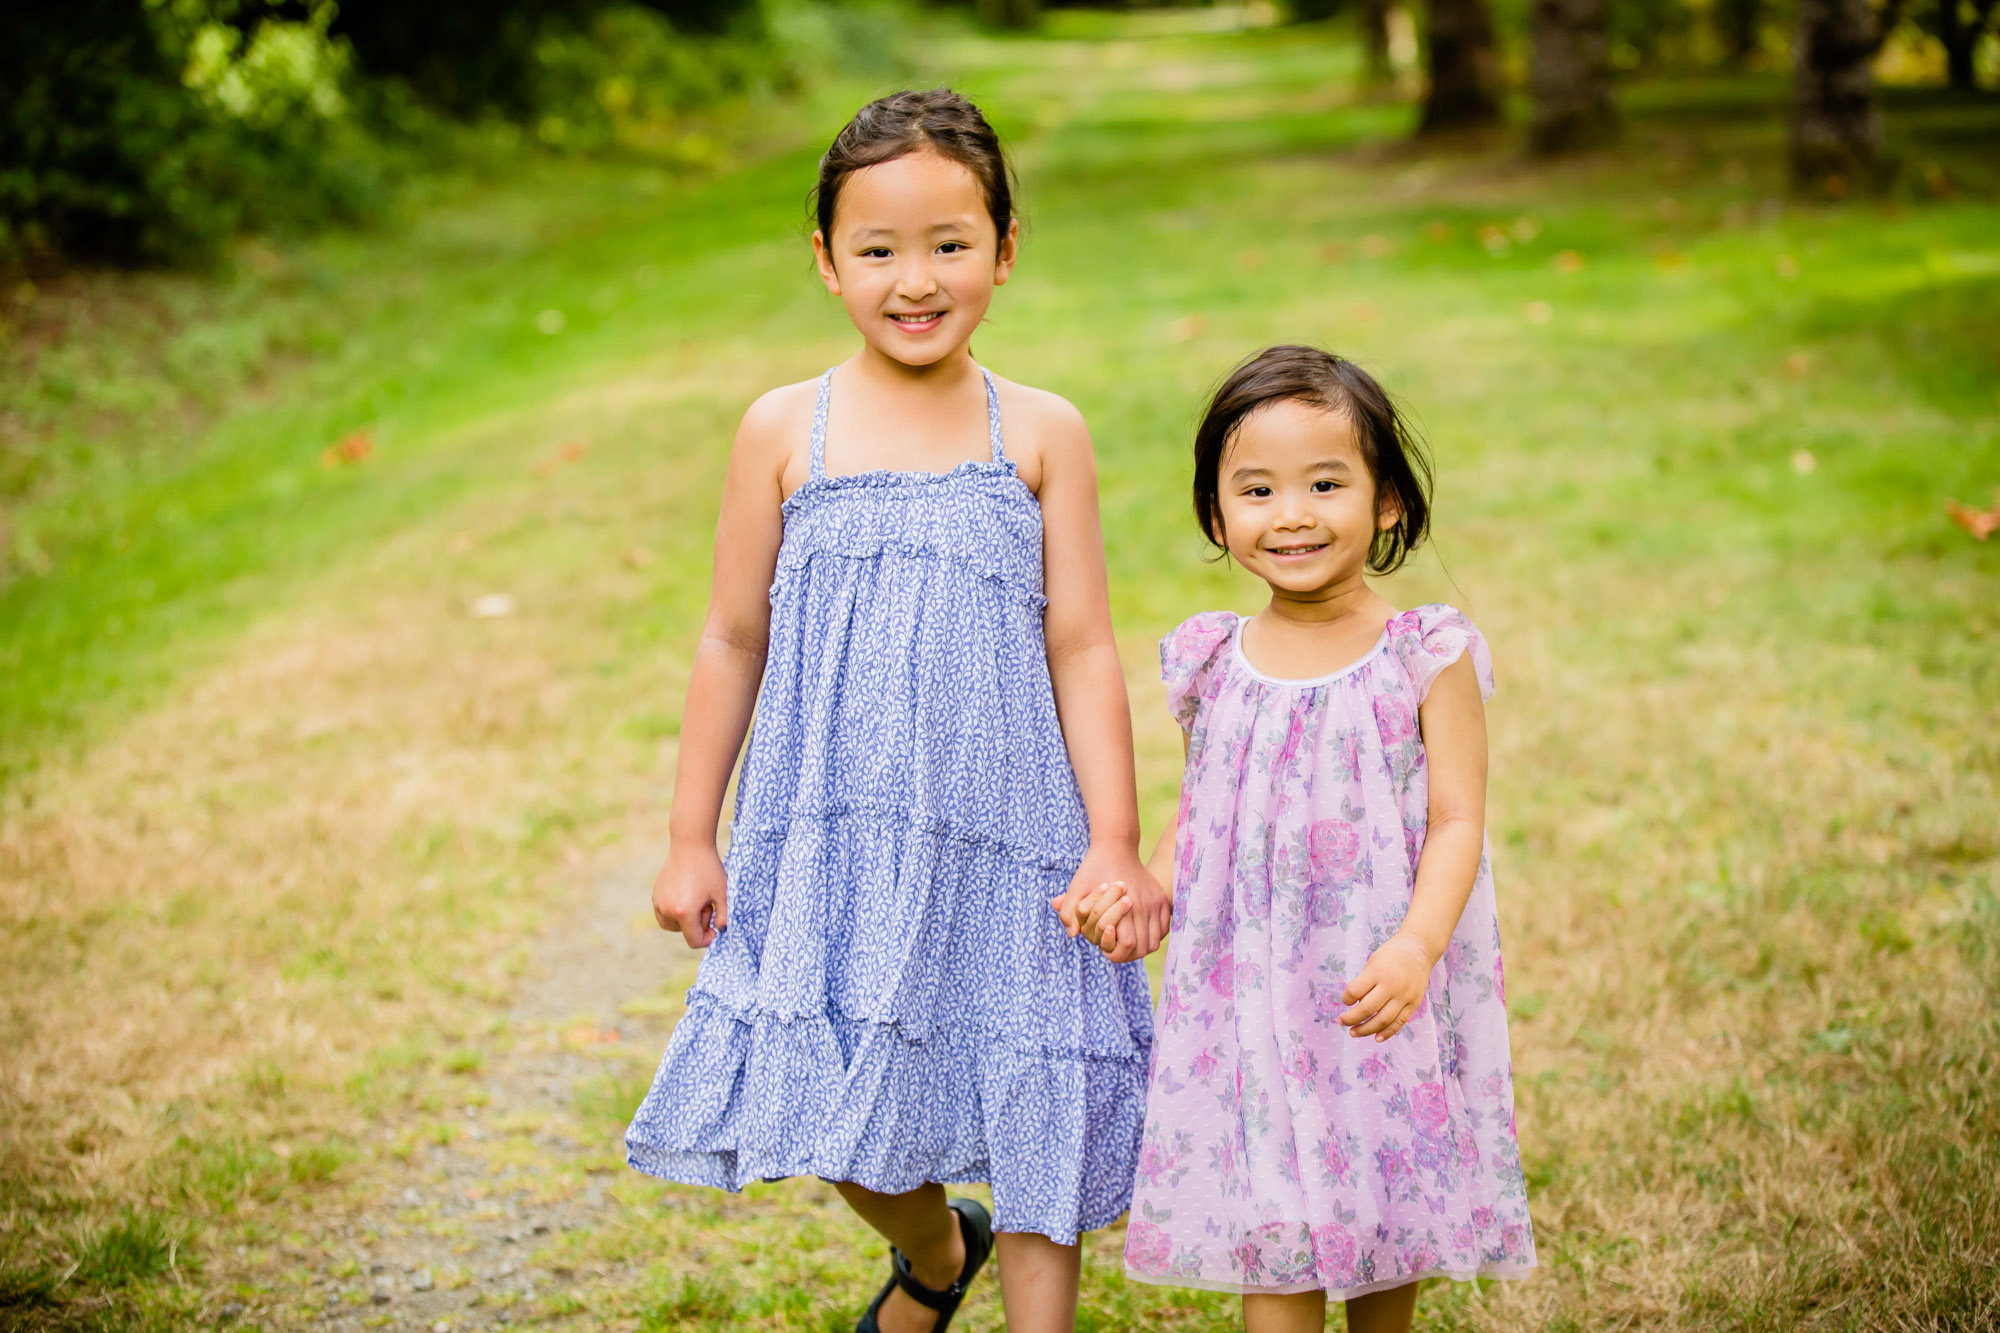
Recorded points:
(910,592)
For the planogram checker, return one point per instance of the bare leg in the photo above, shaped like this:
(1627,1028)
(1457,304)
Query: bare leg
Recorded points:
(1298,1312)
(918,1224)
(1388,1311)
(1037,1282)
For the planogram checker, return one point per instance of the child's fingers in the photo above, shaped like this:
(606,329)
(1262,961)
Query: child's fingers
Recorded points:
(1112,913)
(1386,1019)
(1366,1007)
(721,912)
(1124,941)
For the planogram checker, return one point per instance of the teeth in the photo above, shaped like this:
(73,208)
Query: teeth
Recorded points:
(916,319)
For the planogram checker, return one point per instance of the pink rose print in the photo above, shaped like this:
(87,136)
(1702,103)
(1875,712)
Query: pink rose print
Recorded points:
(1249,1259)
(1333,846)
(1294,733)
(1147,1248)
(1393,720)
(1427,1107)
(1374,1069)
(1334,1252)
(1461,1238)
(1222,977)
(1205,1064)
(1154,1162)
(1333,1157)
(1482,1217)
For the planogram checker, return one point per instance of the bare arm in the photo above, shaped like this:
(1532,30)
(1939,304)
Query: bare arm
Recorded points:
(1389,988)
(1089,686)
(690,894)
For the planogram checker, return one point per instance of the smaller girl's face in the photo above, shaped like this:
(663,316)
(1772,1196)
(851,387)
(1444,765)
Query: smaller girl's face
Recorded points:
(1298,504)
(914,256)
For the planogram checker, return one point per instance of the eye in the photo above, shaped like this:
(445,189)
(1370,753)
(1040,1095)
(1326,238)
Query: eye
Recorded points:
(1260,492)
(952,247)
(1325,487)
(875,252)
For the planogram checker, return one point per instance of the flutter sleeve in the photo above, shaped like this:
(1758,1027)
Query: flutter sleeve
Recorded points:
(1190,657)
(1427,639)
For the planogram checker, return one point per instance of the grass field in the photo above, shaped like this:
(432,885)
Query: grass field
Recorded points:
(284,818)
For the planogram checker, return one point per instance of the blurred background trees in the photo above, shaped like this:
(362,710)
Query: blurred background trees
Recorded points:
(147,131)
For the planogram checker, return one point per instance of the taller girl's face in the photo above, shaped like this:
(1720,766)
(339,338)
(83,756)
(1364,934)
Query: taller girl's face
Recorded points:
(914,256)
(1299,508)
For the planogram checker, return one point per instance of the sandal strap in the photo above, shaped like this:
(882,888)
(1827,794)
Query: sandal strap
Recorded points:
(978,1245)
(944,1302)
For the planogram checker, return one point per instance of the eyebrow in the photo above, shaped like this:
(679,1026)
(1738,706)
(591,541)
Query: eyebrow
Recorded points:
(956,224)
(1243,474)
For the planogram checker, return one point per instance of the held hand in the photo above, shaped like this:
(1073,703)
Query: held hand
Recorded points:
(691,895)
(1089,908)
(1388,990)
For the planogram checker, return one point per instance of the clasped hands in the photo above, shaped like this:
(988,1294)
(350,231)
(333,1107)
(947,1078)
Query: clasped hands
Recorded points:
(1116,904)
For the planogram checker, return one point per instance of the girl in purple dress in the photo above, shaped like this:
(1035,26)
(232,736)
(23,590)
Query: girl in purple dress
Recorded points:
(1331,1112)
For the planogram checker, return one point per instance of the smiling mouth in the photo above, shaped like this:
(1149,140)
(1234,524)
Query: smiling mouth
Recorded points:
(920,321)
(1296,550)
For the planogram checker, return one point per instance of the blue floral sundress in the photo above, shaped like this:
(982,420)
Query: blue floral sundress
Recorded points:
(894,1000)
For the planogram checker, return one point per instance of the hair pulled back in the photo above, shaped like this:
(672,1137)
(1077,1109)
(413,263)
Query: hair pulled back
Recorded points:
(1393,455)
(937,119)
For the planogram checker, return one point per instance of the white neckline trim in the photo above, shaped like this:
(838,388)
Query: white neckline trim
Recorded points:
(1243,660)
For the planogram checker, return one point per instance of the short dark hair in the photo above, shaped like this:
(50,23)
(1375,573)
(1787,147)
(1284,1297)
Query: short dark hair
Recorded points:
(938,119)
(1391,451)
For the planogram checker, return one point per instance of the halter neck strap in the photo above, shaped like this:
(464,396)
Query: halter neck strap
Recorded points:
(816,452)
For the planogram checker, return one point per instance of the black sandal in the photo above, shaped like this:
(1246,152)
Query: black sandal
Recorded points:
(976,1225)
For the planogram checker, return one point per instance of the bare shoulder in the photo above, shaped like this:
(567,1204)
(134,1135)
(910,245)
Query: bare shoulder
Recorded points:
(1042,430)
(779,413)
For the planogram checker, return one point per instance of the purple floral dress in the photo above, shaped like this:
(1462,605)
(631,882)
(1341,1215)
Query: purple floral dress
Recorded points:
(1280,1153)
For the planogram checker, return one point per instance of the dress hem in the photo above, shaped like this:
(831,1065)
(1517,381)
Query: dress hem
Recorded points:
(649,1161)
(1510,1273)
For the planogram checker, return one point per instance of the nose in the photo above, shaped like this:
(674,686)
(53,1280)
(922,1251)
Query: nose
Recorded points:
(1293,512)
(914,279)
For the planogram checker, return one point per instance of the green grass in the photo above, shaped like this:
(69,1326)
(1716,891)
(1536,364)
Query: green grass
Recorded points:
(1695,440)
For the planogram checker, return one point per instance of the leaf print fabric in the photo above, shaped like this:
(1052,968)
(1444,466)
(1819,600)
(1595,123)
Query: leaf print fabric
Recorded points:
(894,1001)
(1281,1154)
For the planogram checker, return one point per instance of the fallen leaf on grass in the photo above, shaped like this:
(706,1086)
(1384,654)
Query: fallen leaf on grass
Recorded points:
(1797,365)
(1981,523)
(356,448)
(1437,233)
(1333,252)
(492,606)
(638,557)
(1495,240)
(1568,261)
(588,1036)
(1187,328)
(1365,312)
(1377,247)
(569,453)
(1803,461)
(1787,268)
(1252,259)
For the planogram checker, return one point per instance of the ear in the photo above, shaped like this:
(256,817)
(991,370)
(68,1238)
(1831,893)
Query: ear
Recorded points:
(1010,250)
(824,260)
(1388,513)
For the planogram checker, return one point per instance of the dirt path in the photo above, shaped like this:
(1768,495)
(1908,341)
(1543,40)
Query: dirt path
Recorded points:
(458,1239)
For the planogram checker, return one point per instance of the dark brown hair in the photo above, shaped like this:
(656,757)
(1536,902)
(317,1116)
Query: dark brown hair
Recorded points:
(937,119)
(1390,450)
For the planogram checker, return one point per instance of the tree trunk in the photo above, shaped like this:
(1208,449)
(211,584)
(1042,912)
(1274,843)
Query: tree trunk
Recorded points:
(1836,125)
(1017,14)
(1464,69)
(1739,26)
(1374,19)
(1960,40)
(1570,76)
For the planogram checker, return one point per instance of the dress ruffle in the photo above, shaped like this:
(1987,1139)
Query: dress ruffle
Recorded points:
(894,1000)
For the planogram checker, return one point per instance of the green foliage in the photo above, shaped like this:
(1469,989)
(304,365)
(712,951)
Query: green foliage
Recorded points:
(134,133)
(134,1248)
